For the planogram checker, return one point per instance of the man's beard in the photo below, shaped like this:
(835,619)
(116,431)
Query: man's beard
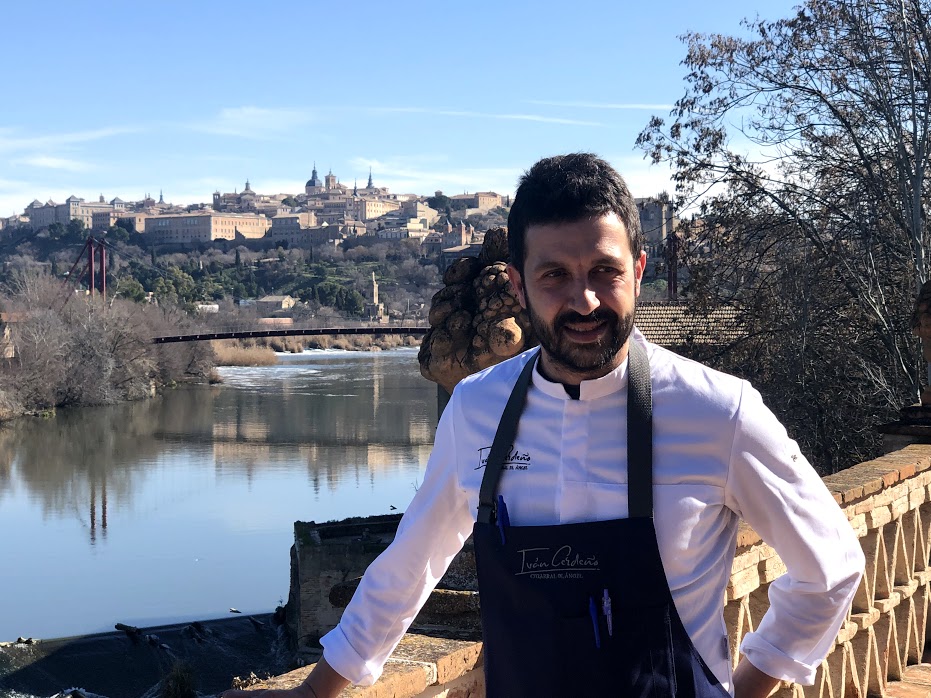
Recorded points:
(588,357)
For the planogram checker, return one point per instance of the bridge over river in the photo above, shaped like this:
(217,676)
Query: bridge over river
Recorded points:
(290,331)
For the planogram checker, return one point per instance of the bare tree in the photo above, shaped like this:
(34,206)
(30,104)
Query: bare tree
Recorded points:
(821,121)
(805,150)
(78,350)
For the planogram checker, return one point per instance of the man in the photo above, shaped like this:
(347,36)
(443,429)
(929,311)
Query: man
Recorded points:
(603,478)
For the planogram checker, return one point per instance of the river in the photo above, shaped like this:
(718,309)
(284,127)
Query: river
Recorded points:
(181,507)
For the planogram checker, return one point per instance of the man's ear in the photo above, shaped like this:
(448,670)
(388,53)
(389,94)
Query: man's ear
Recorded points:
(517,283)
(639,267)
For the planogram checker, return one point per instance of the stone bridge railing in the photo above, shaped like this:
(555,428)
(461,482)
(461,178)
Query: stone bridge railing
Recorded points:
(888,503)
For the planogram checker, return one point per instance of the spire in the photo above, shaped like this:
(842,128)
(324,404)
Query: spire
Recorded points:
(369,185)
(355,187)
(161,198)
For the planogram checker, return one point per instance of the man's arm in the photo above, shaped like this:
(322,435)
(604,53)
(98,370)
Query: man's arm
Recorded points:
(321,682)
(750,682)
(397,584)
(773,488)
(324,682)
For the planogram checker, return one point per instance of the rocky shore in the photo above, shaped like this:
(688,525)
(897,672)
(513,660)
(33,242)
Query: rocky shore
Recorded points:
(170,661)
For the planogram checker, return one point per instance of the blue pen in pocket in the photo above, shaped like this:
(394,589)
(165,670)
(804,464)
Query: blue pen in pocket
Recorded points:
(502,516)
(593,612)
(606,609)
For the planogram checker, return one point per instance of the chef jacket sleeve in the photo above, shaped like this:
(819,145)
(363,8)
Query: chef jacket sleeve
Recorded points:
(396,585)
(774,488)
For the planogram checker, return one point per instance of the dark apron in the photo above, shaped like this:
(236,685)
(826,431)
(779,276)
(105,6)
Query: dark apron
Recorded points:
(543,589)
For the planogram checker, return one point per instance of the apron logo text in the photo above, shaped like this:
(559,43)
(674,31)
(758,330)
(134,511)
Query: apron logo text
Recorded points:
(513,459)
(565,563)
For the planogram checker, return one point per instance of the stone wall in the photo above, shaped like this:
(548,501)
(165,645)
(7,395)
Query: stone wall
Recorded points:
(324,556)
(888,503)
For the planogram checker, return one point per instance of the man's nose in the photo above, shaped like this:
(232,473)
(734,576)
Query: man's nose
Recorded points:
(583,299)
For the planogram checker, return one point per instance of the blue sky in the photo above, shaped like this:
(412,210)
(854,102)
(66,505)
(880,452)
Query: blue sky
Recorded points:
(120,98)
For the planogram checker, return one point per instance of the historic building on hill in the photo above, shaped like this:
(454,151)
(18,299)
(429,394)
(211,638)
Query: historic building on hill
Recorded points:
(248,201)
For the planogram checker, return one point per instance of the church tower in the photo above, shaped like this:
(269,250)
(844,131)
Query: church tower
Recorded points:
(314,185)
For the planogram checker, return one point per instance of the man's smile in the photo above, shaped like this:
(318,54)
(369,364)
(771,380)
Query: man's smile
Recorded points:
(590,331)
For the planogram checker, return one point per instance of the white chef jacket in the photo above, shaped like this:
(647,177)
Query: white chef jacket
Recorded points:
(719,455)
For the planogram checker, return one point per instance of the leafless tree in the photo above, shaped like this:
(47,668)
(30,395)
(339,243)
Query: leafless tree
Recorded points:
(805,150)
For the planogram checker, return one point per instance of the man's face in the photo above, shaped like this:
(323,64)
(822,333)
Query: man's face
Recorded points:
(579,285)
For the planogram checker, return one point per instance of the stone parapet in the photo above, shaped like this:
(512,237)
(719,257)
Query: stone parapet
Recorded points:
(425,666)
(888,503)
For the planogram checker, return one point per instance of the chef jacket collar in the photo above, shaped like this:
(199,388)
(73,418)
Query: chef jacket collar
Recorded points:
(592,389)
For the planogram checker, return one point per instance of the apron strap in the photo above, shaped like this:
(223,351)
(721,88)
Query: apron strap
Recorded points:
(639,433)
(639,437)
(504,439)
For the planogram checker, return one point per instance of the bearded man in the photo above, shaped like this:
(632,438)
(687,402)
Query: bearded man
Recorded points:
(603,478)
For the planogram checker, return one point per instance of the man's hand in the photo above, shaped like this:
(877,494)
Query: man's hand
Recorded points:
(322,682)
(749,682)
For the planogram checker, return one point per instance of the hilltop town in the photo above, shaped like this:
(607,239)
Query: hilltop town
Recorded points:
(317,226)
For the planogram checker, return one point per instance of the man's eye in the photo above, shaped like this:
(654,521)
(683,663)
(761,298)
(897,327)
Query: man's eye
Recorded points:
(553,274)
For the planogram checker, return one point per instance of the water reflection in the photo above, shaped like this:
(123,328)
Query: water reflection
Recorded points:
(186,486)
(71,463)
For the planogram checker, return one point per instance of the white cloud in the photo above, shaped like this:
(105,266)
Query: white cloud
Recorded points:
(405,175)
(487,115)
(11,141)
(254,122)
(45,153)
(632,106)
(16,195)
(54,163)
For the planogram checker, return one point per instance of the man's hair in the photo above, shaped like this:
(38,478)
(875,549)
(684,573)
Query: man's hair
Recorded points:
(566,189)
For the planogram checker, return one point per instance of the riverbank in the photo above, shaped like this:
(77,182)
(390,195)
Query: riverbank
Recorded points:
(264,352)
(211,654)
(81,351)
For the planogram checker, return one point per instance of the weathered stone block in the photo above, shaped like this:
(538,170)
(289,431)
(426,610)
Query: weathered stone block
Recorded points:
(328,554)
(917,497)
(899,506)
(878,516)
(470,685)
(887,605)
(451,658)
(742,583)
(865,620)
(749,558)
(771,569)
